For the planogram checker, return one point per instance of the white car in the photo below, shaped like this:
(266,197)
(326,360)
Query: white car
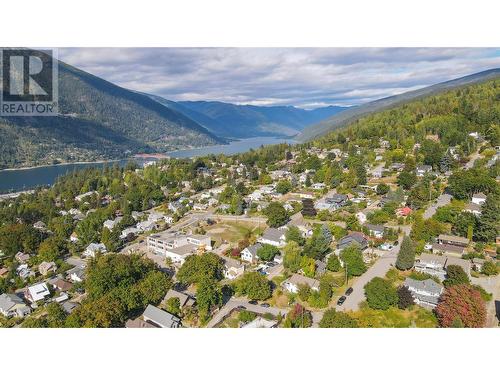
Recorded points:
(386,246)
(428,246)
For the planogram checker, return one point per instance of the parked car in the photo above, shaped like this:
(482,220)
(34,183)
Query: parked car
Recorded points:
(341,300)
(396,243)
(242,307)
(349,291)
(253,302)
(265,305)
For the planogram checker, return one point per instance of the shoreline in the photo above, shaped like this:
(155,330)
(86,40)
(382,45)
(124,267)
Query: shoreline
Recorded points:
(61,164)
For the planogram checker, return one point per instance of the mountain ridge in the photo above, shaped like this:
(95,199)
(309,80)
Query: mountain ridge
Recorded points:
(350,115)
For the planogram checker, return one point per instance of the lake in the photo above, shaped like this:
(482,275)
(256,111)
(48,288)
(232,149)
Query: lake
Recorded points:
(23,179)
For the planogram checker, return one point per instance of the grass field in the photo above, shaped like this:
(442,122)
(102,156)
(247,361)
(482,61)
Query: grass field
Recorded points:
(233,231)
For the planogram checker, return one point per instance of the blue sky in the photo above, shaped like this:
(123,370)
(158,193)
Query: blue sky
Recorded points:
(303,77)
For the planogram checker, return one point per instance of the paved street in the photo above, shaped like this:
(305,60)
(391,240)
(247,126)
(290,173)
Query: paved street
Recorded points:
(441,201)
(379,269)
(491,285)
(236,302)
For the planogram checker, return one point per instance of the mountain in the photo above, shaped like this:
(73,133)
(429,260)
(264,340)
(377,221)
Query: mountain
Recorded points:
(246,121)
(98,120)
(350,115)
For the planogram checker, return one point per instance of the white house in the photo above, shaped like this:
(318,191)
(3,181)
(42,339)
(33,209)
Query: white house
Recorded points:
(426,293)
(249,254)
(479,198)
(273,236)
(293,283)
(93,249)
(11,305)
(232,268)
(147,225)
(178,247)
(376,231)
(110,224)
(37,292)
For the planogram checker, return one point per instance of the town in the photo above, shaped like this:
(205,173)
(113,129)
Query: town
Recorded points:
(352,230)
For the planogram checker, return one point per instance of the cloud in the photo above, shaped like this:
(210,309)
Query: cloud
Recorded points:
(304,77)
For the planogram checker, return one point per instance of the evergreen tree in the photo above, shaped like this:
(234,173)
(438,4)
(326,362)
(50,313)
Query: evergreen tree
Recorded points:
(406,256)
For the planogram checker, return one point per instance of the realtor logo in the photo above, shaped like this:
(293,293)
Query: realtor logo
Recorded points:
(28,82)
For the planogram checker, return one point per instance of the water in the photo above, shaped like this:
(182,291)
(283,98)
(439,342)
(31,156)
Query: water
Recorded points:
(24,179)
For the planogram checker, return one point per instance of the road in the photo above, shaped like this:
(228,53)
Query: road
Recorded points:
(491,285)
(233,303)
(379,269)
(441,201)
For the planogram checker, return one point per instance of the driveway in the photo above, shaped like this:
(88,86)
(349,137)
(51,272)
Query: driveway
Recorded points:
(379,269)
(491,285)
(441,201)
(233,303)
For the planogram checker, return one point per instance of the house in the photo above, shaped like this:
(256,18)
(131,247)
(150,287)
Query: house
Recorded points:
(356,238)
(426,293)
(232,268)
(110,224)
(473,208)
(93,249)
(361,216)
(304,227)
(137,216)
(260,322)
(184,299)
(13,306)
(320,267)
(249,254)
(74,237)
(76,274)
(331,203)
(69,306)
(147,226)
(479,198)
(421,170)
(22,257)
(376,231)
(62,285)
(377,171)
(160,318)
(318,186)
(81,197)
(403,212)
(40,225)
(451,245)
(292,284)
(477,264)
(4,271)
(45,267)
(272,236)
(24,272)
(37,292)
(138,323)
(130,231)
(435,265)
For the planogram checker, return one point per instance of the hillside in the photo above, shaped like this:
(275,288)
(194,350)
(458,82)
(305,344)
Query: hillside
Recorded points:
(450,115)
(98,120)
(245,121)
(350,115)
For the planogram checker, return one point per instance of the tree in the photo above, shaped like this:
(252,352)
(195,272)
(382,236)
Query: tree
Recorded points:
(51,249)
(276,215)
(405,298)
(208,295)
(353,260)
(489,222)
(337,319)
(333,263)
(254,286)
(267,252)
(173,306)
(463,302)
(406,256)
(283,186)
(407,179)
(489,268)
(292,258)
(293,234)
(197,267)
(380,294)
(455,275)
(56,316)
(298,317)
(382,189)
(319,243)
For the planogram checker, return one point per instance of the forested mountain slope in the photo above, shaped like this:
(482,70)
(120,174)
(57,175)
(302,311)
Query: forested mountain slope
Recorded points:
(450,116)
(350,115)
(98,120)
(245,121)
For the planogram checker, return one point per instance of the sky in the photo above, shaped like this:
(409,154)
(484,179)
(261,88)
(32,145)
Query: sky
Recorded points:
(303,77)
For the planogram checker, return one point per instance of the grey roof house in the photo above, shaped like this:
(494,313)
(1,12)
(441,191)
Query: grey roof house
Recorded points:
(160,318)
(426,293)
